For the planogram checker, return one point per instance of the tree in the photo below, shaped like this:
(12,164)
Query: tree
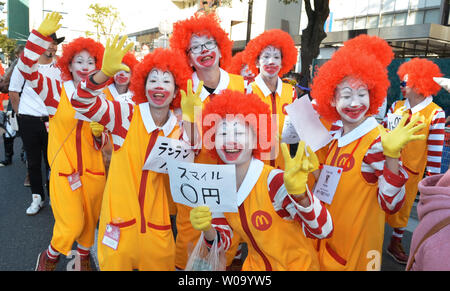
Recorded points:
(314,33)
(7,45)
(106,20)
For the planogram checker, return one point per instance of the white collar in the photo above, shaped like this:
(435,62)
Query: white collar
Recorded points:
(419,106)
(252,176)
(224,81)
(265,90)
(127,96)
(368,125)
(149,123)
(69,87)
(113,90)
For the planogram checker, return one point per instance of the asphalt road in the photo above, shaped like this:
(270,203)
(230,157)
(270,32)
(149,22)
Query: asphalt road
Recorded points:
(23,237)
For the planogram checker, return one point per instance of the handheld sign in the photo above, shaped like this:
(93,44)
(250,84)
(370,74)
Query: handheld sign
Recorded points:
(307,123)
(195,184)
(167,148)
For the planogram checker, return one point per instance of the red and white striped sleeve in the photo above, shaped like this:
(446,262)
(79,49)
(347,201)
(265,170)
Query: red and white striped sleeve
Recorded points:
(315,219)
(220,224)
(391,187)
(114,115)
(435,143)
(47,88)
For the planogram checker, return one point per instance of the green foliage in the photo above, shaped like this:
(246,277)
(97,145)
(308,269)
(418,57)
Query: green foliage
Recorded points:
(106,20)
(6,44)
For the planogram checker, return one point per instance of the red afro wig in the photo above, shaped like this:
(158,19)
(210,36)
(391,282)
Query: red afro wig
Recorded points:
(420,76)
(237,63)
(249,107)
(361,60)
(76,46)
(130,60)
(276,38)
(201,24)
(165,60)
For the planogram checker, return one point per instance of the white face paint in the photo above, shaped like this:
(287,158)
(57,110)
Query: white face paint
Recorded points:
(234,141)
(247,74)
(269,61)
(352,100)
(122,78)
(203,52)
(81,66)
(160,88)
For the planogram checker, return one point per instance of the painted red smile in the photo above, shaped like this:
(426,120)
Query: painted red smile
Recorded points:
(232,151)
(207,60)
(83,74)
(121,79)
(271,69)
(158,97)
(354,112)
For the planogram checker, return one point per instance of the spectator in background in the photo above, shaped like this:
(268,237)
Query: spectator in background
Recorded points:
(33,122)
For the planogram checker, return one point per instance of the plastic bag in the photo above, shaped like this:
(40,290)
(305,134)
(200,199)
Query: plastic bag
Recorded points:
(203,258)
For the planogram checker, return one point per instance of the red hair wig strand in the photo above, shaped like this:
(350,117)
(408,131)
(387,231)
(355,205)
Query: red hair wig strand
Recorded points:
(420,76)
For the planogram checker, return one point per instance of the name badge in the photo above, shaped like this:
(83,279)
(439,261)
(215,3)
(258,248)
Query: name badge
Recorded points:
(74,181)
(111,236)
(326,185)
(393,120)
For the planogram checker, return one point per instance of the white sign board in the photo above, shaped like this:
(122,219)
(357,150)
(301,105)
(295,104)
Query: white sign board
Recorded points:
(307,123)
(195,184)
(167,148)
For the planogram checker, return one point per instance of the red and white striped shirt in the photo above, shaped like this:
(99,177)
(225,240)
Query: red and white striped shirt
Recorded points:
(391,187)
(435,139)
(315,219)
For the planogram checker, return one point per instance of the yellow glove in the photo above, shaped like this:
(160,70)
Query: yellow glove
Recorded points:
(400,111)
(201,218)
(395,140)
(297,168)
(50,24)
(96,129)
(113,55)
(190,100)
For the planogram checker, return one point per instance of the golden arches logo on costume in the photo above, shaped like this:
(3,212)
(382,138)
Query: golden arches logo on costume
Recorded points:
(346,162)
(261,220)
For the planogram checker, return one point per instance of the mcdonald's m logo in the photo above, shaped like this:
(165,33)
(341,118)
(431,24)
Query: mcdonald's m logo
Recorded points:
(261,220)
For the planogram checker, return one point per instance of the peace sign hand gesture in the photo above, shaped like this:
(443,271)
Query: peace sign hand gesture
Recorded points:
(297,168)
(50,24)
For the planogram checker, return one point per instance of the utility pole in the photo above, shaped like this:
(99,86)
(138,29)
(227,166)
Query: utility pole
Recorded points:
(249,20)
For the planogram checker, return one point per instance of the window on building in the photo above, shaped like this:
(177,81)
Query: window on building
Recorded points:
(360,22)
(386,20)
(337,25)
(432,16)
(416,4)
(415,17)
(433,3)
(399,19)
(401,5)
(372,22)
(374,7)
(388,6)
(347,24)
(361,7)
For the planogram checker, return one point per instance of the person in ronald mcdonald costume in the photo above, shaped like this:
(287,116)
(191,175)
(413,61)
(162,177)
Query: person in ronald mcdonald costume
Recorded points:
(77,177)
(271,55)
(137,202)
(422,156)
(363,159)
(277,214)
(239,67)
(207,49)
(119,90)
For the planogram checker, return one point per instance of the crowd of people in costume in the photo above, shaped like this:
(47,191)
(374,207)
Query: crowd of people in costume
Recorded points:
(108,110)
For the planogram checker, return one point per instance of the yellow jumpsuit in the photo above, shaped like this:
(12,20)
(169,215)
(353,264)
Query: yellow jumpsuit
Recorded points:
(274,243)
(187,236)
(357,216)
(414,159)
(71,149)
(137,201)
(276,103)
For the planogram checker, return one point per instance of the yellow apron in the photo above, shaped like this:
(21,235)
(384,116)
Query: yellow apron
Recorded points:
(274,244)
(414,159)
(357,217)
(187,236)
(70,150)
(138,203)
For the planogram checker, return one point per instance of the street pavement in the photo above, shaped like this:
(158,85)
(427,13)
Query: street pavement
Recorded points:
(23,237)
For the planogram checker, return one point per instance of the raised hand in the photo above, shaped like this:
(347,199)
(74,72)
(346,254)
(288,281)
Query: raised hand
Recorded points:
(50,24)
(394,141)
(190,100)
(113,55)
(297,168)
